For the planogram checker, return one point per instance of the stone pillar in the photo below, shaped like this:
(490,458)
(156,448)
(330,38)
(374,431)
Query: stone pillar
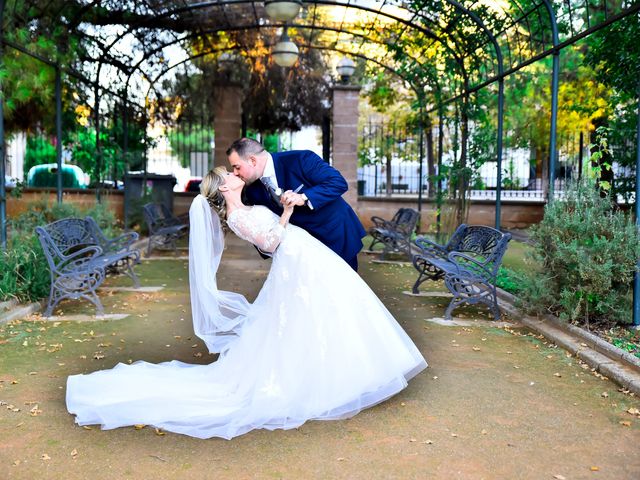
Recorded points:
(227,123)
(344,137)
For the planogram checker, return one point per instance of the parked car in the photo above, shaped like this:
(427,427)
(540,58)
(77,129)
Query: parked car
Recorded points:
(9,182)
(193,185)
(46,175)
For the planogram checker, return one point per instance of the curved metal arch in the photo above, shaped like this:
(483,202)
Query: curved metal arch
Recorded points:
(153,82)
(136,67)
(428,32)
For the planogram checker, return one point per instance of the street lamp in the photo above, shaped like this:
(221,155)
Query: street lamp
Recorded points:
(285,52)
(345,69)
(282,10)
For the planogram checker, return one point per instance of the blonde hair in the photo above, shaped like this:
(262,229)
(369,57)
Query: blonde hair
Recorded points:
(210,189)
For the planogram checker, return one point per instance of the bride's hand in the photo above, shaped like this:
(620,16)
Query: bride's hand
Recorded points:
(289,201)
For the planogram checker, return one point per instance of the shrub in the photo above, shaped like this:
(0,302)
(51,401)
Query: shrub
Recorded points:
(24,270)
(587,251)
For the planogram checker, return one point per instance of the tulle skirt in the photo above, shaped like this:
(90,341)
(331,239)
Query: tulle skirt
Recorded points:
(317,345)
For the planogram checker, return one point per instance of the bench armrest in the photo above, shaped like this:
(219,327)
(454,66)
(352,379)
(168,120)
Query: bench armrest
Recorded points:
(382,223)
(122,242)
(467,263)
(78,260)
(429,248)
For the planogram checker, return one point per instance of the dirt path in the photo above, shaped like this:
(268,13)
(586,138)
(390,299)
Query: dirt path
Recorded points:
(495,403)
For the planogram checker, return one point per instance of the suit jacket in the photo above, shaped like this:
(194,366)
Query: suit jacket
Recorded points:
(332,220)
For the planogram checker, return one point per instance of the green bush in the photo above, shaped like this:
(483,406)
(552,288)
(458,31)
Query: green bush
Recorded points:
(509,280)
(24,270)
(587,251)
(24,273)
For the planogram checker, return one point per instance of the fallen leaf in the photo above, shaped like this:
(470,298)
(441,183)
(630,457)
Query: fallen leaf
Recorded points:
(428,442)
(160,432)
(625,423)
(557,375)
(74,453)
(454,434)
(412,440)
(44,456)
(604,395)
(35,411)
(87,427)
(139,426)
(16,463)
(340,459)
(633,411)
(484,432)
(476,349)
(559,477)
(595,469)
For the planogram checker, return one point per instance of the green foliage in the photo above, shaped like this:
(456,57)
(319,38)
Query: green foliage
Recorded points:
(587,253)
(195,138)
(39,151)
(615,55)
(509,280)
(23,266)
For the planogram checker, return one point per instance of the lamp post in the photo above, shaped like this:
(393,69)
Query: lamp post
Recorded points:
(282,10)
(345,69)
(285,52)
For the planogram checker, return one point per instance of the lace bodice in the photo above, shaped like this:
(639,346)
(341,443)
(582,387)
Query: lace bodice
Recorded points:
(257,225)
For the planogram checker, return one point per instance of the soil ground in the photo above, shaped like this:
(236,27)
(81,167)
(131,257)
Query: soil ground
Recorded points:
(495,402)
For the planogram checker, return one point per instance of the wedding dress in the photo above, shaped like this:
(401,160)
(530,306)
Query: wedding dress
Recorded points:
(316,344)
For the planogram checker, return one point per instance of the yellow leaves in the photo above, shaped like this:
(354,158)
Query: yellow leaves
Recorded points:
(625,423)
(560,477)
(159,432)
(45,457)
(74,454)
(139,426)
(595,469)
(35,411)
(633,411)
(87,427)
(98,356)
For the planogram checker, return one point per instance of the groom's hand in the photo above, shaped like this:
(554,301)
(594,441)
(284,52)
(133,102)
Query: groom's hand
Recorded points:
(290,198)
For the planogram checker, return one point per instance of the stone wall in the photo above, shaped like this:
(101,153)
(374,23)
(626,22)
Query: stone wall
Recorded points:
(514,215)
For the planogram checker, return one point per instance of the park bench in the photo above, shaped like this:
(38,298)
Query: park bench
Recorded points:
(395,234)
(80,256)
(164,227)
(468,263)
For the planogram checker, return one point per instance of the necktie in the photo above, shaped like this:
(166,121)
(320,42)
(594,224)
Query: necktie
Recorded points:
(268,183)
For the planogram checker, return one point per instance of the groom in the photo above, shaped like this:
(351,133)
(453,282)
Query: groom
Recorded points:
(322,211)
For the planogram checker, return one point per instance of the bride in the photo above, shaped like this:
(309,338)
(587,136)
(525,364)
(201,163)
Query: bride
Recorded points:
(316,344)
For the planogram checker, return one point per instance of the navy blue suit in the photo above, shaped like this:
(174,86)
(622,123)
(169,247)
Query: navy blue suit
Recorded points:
(332,220)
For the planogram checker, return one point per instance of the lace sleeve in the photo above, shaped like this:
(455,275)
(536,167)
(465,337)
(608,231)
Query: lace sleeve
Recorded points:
(264,235)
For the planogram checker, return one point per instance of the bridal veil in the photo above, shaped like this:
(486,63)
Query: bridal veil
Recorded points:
(218,315)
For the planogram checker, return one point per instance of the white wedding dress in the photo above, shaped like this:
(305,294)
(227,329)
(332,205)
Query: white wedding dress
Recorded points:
(317,344)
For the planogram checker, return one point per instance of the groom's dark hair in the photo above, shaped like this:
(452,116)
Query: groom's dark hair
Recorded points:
(245,147)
